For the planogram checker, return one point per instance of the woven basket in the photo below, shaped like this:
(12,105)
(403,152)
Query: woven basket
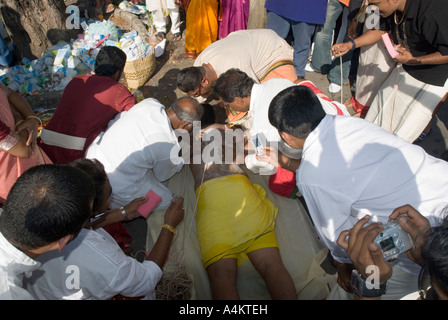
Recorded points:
(138,72)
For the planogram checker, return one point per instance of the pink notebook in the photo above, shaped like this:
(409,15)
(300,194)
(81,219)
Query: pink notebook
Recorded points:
(153,200)
(389,45)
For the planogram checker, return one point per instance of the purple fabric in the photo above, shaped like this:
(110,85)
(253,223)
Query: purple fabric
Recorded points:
(310,11)
(235,14)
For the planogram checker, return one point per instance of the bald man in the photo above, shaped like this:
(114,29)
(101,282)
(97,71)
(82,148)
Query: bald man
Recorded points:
(136,150)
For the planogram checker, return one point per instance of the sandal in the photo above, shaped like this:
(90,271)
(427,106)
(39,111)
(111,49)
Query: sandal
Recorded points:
(161,36)
(110,8)
(177,36)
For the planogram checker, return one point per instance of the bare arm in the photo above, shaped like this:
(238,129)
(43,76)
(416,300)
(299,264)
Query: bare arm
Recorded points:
(367,38)
(173,216)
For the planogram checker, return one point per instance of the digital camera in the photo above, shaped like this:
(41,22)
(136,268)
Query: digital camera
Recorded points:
(258,142)
(393,240)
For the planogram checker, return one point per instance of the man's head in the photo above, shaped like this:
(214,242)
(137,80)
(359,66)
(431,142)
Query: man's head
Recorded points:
(194,82)
(183,112)
(103,189)
(295,112)
(435,255)
(110,62)
(388,7)
(233,88)
(46,208)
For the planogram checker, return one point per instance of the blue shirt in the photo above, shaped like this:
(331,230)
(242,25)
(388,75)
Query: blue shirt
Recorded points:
(310,11)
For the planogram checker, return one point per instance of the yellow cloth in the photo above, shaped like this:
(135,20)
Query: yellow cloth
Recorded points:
(202,26)
(234,217)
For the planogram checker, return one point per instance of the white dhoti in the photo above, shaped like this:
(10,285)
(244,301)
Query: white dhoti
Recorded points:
(404,105)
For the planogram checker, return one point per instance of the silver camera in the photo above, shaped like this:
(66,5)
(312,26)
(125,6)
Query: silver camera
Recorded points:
(393,240)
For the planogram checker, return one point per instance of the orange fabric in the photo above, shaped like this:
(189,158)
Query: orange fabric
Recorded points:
(202,26)
(346,2)
(286,71)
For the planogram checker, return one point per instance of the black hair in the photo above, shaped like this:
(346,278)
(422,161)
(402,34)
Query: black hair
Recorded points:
(189,79)
(233,83)
(109,60)
(46,203)
(95,170)
(209,116)
(296,110)
(434,253)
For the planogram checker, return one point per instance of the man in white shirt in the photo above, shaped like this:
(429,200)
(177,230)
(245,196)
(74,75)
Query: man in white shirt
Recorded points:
(45,210)
(238,92)
(261,53)
(138,149)
(93,266)
(351,168)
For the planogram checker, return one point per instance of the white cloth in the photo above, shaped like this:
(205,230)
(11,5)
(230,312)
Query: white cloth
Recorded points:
(252,51)
(103,269)
(351,167)
(159,9)
(404,105)
(138,153)
(14,265)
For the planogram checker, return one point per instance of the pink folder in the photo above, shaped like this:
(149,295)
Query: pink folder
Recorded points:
(389,45)
(153,200)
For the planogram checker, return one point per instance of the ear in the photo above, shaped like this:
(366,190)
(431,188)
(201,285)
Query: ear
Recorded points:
(61,243)
(286,137)
(205,81)
(186,125)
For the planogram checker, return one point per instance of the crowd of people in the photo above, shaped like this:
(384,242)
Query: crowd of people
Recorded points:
(357,165)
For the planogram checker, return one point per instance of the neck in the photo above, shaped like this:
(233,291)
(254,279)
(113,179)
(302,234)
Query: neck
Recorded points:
(401,6)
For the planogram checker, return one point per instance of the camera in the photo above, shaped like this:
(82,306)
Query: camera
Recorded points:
(393,240)
(258,142)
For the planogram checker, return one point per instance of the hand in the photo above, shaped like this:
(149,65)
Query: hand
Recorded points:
(174,214)
(405,56)
(416,225)
(273,156)
(361,249)
(131,207)
(29,126)
(339,49)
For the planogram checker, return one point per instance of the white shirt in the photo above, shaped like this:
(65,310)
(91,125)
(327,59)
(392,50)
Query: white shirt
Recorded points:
(138,153)
(14,265)
(351,167)
(92,266)
(252,51)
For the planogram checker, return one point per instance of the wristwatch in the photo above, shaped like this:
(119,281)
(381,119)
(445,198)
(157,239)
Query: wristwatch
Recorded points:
(360,288)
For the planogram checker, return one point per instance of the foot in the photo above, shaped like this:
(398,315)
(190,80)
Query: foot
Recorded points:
(161,36)
(334,88)
(110,8)
(177,36)
(309,68)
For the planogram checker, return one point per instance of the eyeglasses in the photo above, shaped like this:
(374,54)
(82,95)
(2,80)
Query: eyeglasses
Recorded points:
(425,288)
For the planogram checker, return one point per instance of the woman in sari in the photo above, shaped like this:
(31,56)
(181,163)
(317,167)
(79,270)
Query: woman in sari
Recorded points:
(202,26)
(233,16)
(18,133)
